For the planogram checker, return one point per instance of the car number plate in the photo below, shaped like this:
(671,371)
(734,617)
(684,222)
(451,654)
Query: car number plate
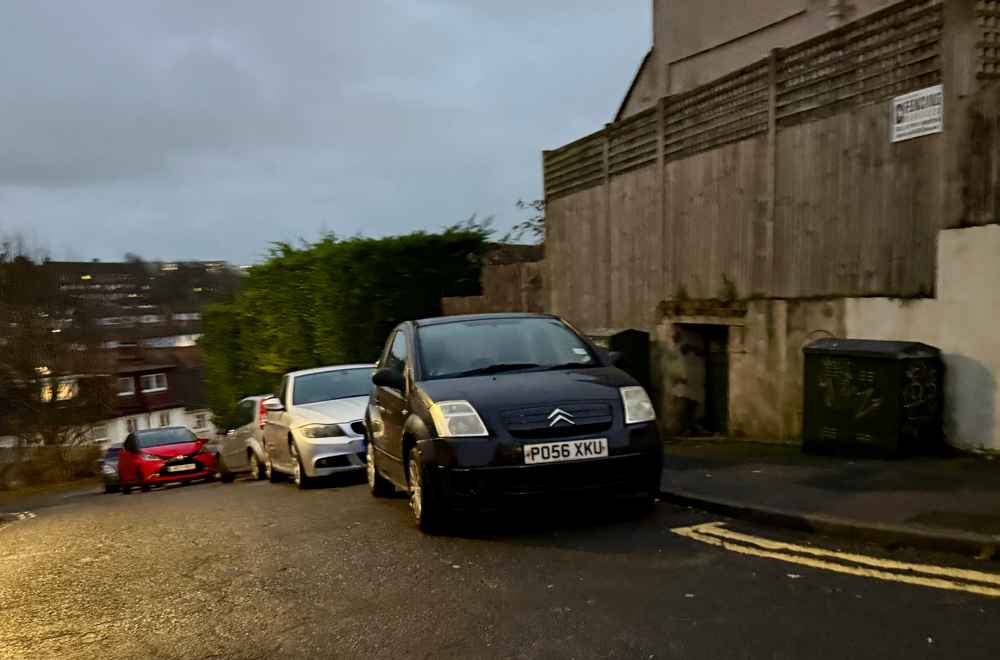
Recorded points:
(187,467)
(571,450)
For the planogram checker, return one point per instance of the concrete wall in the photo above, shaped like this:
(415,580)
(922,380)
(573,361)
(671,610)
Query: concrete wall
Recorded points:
(765,365)
(766,342)
(961,321)
(695,42)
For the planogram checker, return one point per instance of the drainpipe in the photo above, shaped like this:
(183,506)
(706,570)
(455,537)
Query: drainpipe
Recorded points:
(836,12)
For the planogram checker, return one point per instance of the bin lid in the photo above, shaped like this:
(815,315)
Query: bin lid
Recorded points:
(900,350)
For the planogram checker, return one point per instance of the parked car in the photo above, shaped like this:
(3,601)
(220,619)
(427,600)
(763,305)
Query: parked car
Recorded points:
(314,425)
(107,466)
(242,449)
(469,412)
(165,455)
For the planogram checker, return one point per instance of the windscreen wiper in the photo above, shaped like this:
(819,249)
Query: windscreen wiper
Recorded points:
(495,369)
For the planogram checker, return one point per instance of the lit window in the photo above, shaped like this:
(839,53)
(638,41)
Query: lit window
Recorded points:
(154,382)
(132,424)
(165,418)
(126,386)
(63,389)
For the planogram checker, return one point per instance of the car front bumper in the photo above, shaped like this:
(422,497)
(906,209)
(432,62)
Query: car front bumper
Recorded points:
(458,475)
(321,457)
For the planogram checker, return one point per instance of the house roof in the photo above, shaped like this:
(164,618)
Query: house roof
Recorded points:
(635,81)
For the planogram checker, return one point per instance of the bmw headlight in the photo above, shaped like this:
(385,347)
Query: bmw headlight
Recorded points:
(638,407)
(322,431)
(457,419)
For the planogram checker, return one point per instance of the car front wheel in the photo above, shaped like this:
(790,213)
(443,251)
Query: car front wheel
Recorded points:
(427,511)
(299,476)
(378,485)
(256,469)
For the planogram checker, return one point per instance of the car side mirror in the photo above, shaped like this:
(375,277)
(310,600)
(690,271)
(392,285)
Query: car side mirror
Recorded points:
(617,358)
(273,405)
(389,378)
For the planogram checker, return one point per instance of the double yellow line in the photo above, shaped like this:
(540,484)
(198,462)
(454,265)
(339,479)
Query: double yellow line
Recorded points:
(924,575)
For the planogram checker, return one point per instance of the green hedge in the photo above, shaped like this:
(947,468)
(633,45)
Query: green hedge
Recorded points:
(331,302)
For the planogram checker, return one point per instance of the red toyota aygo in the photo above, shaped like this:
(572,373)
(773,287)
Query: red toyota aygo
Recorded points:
(162,456)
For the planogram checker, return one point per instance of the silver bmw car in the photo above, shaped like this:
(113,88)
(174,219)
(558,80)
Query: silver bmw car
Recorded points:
(314,424)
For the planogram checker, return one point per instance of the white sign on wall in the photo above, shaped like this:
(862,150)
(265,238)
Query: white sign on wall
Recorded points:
(918,113)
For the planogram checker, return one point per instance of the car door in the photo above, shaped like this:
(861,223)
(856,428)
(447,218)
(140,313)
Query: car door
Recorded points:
(236,452)
(279,423)
(390,404)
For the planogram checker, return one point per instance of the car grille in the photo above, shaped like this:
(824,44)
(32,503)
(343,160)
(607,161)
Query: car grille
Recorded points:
(629,471)
(358,427)
(558,420)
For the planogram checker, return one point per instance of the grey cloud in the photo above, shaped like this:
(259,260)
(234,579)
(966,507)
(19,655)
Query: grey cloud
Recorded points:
(207,129)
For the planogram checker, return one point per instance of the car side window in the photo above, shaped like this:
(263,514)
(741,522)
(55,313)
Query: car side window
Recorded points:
(396,359)
(246,413)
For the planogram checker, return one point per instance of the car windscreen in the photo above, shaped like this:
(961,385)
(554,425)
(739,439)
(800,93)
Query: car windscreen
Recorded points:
(504,344)
(161,437)
(328,385)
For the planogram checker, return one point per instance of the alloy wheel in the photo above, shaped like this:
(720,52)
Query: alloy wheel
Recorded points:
(370,466)
(416,489)
(297,467)
(254,466)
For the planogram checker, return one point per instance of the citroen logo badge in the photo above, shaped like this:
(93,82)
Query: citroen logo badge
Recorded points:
(560,415)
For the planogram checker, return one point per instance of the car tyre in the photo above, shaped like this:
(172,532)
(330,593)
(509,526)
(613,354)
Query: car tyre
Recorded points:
(301,480)
(256,469)
(108,488)
(272,475)
(126,490)
(225,475)
(378,485)
(427,511)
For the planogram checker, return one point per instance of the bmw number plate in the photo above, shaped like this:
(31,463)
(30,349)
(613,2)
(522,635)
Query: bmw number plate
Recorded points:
(187,467)
(571,450)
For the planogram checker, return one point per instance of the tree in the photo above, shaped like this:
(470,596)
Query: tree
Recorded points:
(533,227)
(330,302)
(55,382)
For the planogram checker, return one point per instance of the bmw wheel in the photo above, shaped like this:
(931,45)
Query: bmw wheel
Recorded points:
(378,485)
(299,476)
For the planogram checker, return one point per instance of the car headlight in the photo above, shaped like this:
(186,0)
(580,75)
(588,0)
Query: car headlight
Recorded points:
(322,431)
(638,407)
(109,469)
(151,457)
(457,419)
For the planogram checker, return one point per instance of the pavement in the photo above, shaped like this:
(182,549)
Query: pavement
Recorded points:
(259,570)
(939,503)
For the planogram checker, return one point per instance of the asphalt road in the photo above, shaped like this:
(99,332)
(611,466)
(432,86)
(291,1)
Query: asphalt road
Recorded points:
(254,570)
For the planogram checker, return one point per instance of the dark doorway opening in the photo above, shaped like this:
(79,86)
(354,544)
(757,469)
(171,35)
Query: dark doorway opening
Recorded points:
(705,349)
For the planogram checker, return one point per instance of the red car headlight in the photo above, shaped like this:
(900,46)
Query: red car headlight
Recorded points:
(150,457)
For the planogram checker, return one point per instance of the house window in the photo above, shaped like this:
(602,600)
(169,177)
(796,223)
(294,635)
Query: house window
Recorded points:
(165,418)
(126,386)
(131,424)
(62,389)
(201,421)
(99,432)
(154,382)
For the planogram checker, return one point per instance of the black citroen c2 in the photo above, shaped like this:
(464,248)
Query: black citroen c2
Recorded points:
(467,412)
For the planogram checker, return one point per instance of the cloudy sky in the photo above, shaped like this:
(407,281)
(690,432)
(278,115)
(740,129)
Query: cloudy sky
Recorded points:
(193,129)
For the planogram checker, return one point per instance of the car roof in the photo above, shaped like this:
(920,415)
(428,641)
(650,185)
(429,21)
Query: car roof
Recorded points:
(336,367)
(438,320)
